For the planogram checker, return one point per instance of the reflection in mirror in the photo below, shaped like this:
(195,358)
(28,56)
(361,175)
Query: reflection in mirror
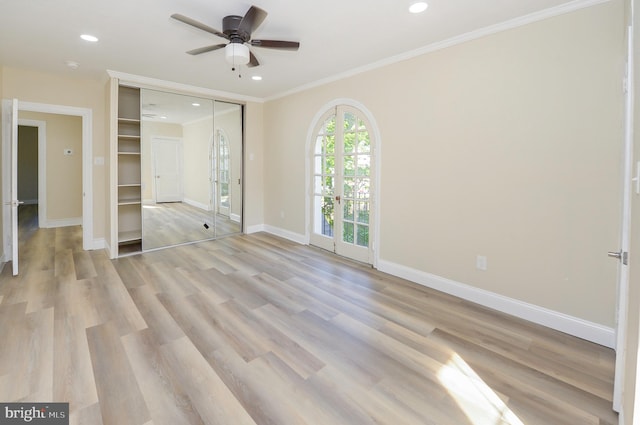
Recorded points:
(227,166)
(180,204)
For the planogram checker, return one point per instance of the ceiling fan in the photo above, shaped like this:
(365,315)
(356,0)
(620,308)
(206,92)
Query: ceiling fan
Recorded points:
(238,30)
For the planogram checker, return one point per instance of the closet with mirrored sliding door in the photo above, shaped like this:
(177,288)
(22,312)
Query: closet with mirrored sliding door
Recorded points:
(176,169)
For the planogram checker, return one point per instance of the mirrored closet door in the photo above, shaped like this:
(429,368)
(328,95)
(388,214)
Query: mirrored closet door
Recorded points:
(191,166)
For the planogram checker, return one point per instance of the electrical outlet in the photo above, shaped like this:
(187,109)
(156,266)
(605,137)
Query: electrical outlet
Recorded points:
(481,262)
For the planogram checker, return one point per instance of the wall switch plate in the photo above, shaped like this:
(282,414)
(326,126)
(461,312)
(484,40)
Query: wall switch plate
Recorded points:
(481,262)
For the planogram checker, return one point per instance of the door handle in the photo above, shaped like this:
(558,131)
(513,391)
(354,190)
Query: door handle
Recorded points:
(620,255)
(338,199)
(14,203)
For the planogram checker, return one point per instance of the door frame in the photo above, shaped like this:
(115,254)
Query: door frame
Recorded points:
(375,180)
(87,165)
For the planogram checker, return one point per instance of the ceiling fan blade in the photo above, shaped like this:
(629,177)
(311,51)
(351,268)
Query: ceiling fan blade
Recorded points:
(206,49)
(199,25)
(252,20)
(276,44)
(253,61)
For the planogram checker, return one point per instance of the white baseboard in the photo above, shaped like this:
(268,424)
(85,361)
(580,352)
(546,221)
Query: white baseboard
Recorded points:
(580,328)
(235,217)
(255,229)
(62,222)
(99,243)
(286,234)
(196,204)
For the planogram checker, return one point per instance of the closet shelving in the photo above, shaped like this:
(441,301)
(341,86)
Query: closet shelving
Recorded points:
(129,171)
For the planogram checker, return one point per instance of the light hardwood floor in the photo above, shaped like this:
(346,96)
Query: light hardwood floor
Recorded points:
(174,223)
(258,330)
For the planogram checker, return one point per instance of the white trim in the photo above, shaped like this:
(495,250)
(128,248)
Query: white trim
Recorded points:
(99,243)
(87,162)
(235,217)
(196,204)
(376,151)
(256,228)
(63,222)
(283,233)
(439,45)
(154,83)
(580,328)
(42,167)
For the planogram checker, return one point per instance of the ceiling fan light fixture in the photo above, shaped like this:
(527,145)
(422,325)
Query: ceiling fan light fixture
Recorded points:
(418,7)
(236,53)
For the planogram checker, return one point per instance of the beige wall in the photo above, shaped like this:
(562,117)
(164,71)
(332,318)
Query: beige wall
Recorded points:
(68,90)
(64,172)
(1,183)
(508,146)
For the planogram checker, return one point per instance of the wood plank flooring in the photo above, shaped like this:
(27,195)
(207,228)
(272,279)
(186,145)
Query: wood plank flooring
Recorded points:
(259,330)
(174,223)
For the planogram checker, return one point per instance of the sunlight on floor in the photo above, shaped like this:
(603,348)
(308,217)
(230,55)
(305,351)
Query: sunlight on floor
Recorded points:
(476,399)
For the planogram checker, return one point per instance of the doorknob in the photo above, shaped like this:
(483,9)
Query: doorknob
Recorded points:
(620,255)
(338,199)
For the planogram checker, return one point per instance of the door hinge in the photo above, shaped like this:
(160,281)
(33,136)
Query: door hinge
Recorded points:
(620,255)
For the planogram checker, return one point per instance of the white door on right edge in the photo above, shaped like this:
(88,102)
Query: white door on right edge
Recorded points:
(342,213)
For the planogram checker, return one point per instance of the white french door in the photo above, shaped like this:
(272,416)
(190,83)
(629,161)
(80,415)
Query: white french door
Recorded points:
(342,175)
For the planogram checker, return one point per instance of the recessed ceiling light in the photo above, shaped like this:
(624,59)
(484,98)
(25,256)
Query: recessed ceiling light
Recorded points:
(418,7)
(256,78)
(88,37)
(72,64)
(195,104)
(162,117)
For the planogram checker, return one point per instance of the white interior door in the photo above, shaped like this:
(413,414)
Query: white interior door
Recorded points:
(342,185)
(625,237)
(14,185)
(167,165)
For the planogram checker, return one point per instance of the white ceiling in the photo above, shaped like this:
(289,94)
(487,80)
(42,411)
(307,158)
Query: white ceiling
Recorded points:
(139,37)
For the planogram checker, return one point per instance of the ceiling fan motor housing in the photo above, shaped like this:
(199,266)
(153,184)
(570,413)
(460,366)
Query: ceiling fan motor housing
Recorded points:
(230,27)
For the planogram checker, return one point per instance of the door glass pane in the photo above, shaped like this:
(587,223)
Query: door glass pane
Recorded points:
(364,165)
(363,212)
(349,165)
(329,144)
(364,145)
(327,216)
(363,235)
(349,185)
(349,142)
(362,190)
(348,210)
(347,232)
(349,121)
(329,165)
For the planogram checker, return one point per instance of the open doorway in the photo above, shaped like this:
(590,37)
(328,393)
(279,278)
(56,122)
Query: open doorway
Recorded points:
(83,154)
(31,134)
